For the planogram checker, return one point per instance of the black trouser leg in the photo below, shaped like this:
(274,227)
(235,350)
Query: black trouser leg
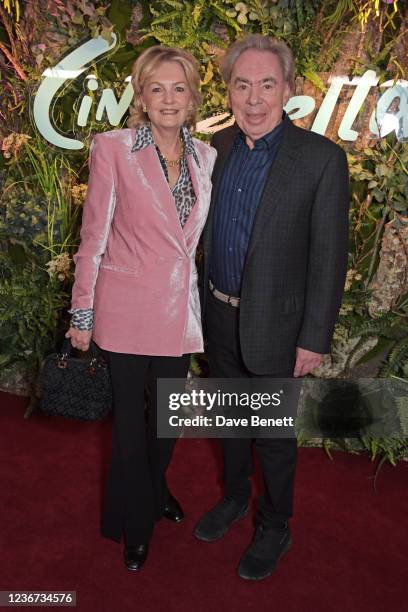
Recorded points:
(161,449)
(129,502)
(225,361)
(278,461)
(277,456)
(136,484)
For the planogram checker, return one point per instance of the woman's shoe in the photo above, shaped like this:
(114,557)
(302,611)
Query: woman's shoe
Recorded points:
(135,556)
(173,511)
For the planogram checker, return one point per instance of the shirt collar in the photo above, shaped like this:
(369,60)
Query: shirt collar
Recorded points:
(144,138)
(267,141)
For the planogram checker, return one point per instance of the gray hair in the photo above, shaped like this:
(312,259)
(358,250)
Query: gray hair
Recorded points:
(260,43)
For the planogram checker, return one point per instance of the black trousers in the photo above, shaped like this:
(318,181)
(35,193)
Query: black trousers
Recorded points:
(277,456)
(136,490)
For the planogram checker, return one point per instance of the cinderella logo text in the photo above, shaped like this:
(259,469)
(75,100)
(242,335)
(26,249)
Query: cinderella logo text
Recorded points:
(392,94)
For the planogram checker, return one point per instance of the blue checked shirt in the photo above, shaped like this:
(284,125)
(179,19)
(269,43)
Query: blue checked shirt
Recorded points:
(241,186)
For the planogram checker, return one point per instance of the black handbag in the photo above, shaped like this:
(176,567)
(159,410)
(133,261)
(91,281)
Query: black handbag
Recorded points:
(76,388)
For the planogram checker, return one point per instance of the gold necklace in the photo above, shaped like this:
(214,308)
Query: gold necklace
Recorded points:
(175,162)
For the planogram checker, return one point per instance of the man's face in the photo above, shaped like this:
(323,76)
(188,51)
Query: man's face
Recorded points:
(257,93)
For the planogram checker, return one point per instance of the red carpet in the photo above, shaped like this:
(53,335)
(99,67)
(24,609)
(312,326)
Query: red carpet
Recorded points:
(349,547)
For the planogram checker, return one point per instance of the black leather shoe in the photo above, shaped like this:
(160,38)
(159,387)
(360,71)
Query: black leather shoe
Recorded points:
(215,524)
(173,511)
(263,555)
(135,556)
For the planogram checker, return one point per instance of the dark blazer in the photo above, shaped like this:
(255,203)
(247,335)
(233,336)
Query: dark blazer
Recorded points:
(296,261)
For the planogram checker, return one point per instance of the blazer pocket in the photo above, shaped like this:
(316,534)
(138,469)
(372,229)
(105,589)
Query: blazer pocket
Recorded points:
(292,303)
(110,267)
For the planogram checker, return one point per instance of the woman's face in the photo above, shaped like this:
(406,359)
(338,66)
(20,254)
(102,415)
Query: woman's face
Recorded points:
(167,96)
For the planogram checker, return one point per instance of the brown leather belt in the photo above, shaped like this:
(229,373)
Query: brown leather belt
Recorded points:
(224,297)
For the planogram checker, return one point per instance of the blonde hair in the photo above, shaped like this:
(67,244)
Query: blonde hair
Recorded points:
(144,67)
(260,43)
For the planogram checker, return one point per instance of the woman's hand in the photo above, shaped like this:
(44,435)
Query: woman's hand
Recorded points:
(80,338)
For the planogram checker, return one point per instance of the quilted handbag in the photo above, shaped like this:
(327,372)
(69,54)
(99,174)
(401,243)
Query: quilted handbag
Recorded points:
(76,388)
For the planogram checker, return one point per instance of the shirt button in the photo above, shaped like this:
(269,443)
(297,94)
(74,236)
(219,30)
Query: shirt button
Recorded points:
(239,190)
(234,218)
(230,249)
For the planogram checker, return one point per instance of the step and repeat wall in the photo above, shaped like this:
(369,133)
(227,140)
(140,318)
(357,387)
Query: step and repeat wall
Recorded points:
(65,70)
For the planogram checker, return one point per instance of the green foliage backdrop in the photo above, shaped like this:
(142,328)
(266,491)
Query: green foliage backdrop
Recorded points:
(43,188)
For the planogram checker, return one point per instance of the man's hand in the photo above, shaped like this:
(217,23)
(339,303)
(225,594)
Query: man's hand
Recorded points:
(306,361)
(80,339)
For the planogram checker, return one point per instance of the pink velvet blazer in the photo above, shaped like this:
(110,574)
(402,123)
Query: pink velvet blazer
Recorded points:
(135,265)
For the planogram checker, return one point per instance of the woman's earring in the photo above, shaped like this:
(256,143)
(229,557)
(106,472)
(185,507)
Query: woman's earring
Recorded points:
(144,108)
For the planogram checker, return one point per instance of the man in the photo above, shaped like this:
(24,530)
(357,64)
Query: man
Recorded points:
(275,252)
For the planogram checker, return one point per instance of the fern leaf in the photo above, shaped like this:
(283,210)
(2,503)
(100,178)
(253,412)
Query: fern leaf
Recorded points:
(314,78)
(226,18)
(168,17)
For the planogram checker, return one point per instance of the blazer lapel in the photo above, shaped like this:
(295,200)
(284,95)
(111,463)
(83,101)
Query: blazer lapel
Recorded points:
(223,149)
(153,178)
(200,207)
(223,145)
(279,177)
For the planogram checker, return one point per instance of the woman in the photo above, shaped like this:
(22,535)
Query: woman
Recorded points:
(135,290)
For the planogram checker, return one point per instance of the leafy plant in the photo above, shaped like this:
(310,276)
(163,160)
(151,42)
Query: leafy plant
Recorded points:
(42,188)
(31,305)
